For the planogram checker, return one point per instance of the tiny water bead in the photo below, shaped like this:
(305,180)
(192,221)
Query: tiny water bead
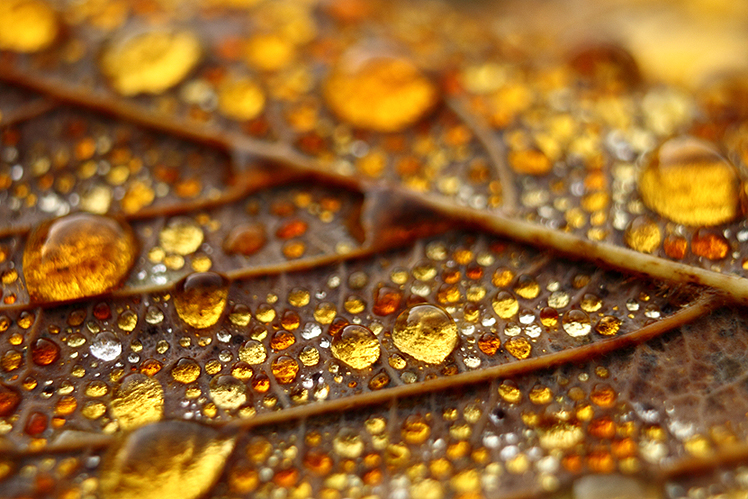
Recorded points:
(356,346)
(426,332)
(200,298)
(689,182)
(167,460)
(76,256)
(383,94)
(150,62)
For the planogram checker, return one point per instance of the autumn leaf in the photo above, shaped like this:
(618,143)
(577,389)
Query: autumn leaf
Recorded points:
(358,248)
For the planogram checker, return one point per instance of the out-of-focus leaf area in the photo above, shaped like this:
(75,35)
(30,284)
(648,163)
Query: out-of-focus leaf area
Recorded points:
(368,249)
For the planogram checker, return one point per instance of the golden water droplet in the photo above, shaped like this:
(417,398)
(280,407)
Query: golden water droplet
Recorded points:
(519,347)
(27,25)
(186,371)
(505,305)
(489,343)
(137,401)
(689,182)
(77,256)
(181,236)
(269,52)
(576,323)
(643,235)
(709,245)
(241,99)
(309,356)
(386,300)
(415,429)
(253,352)
(527,287)
(285,369)
(150,62)
(200,298)
(228,392)
(383,94)
(562,435)
(591,303)
(356,346)
(168,460)
(608,325)
(425,332)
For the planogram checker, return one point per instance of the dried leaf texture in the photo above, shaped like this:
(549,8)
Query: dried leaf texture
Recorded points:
(369,249)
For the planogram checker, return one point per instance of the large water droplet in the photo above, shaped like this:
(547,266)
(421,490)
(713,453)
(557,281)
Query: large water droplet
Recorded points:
(106,347)
(384,94)
(77,256)
(168,460)
(425,332)
(27,25)
(356,346)
(138,400)
(200,298)
(689,182)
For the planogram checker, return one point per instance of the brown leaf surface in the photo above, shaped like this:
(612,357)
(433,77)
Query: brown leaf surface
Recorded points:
(382,249)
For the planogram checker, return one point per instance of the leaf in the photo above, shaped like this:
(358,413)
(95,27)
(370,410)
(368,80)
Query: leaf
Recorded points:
(372,257)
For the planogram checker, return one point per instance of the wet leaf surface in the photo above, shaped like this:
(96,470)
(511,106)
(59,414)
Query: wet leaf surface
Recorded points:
(367,249)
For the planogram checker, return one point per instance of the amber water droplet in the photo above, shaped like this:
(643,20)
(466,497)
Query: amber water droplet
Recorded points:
(689,182)
(608,325)
(27,25)
(386,300)
(415,429)
(168,460)
(150,62)
(489,343)
(709,244)
(200,298)
(561,435)
(606,67)
(383,94)
(425,332)
(137,401)
(519,347)
(186,371)
(44,352)
(245,239)
(9,400)
(285,369)
(356,346)
(76,256)
(643,235)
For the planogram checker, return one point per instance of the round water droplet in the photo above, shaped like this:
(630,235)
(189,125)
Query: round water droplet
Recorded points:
(709,244)
(27,25)
(168,460)
(356,346)
(285,369)
(106,347)
(77,256)
(425,332)
(643,235)
(44,352)
(245,239)
(10,399)
(689,182)
(150,62)
(576,323)
(200,298)
(181,236)
(383,94)
(139,400)
(505,305)
(228,392)
(240,99)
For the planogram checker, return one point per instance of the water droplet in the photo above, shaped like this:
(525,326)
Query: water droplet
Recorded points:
(10,399)
(710,245)
(505,305)
(253,352)
(425,332)
(383,94)
(44,352)
(519,347)
(77,256)
(106,347)
(240,99)
(200,298)
(608,325)
(139,400)
(245,239)
(576,323)
(527,287)
(689,182)
(561,435)
(150,62)
(228,392)
(386,300)
(181,236)
(168,460)
(643,235)
(356,346)
(27,25)
(285,369)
